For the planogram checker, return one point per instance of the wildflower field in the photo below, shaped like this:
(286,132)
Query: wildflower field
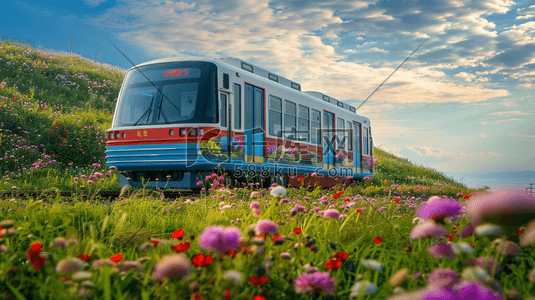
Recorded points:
(407,233)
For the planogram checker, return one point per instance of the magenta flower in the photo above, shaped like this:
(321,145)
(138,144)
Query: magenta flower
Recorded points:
(441,250)
(506,208)
(299,207)
(475,290)
(113,168)
(254,205)
(96,165)
(266,227)
(316,282)
(428,229)
(220,239)
(331,213)
(439,208)
(90,182)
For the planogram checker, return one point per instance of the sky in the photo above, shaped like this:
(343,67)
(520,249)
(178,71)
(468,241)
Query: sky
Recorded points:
(462,103)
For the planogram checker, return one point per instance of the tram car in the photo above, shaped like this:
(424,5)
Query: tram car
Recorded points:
(177,121)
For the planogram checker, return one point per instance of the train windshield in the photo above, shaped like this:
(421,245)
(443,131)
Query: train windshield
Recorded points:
(168,93)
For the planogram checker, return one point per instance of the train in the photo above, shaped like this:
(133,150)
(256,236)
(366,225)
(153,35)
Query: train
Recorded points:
(176,121)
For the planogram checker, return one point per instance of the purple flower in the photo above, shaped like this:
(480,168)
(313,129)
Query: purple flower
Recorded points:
(475,290)
(331,213)
(284,200)
(266,227)
(506,208)
(173,266)
(443,278)
(314,283)
(220,239)
(427,229)
(441,250)
(299,207)
(254,205)
(439,208)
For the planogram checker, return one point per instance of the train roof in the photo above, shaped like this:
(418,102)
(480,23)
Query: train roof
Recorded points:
(241,64)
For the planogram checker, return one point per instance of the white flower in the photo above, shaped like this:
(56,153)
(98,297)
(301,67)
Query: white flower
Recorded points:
(488,229)
(462,247)
(222,203)
(362,288)
(372,264)
(476,273)
(278,191)
(225,207)
(234,276)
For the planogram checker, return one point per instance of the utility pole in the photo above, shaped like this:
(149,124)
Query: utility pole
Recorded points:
(530,189)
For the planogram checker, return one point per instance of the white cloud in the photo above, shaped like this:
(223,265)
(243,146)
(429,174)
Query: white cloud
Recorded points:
(516,134)
(94,3)
(484,123)
(508,120)
(514,112)
(509,104)
(350,51)
(439,153)
(483,136)
(526,13)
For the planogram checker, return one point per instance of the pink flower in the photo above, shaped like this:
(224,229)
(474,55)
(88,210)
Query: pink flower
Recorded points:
(266,227)
(439,208)
(427,229)
(443,278)
(331,213)
(220,239)
(113,168)
(90,182)
(441,250)
(173,266)
(316,282)
(254,205)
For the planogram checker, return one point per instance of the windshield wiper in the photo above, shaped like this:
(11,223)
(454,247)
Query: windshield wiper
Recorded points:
(147,112)
(160,112)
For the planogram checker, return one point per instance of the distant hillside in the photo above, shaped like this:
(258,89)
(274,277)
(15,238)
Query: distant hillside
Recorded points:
(54,110)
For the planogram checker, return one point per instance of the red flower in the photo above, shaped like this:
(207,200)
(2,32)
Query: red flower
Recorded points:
(155,242)
(181,247)
(261,237)
(259,297)
(335,196)
(14,98)
(34,255)
(300,178)
(58,124)
(340,192)
(466,197)
(192,236)
(276,237)
(232,253)
(177,234)
(346,199)
(333,263)
(341,256)
(298,230)
(227,294)
(197,297)
(1,231)
(396,200)
(65,132)
(84,257)
(378,240)
(116,258)
(519,232)
(64,279)
(359,210)
(256,281)
(199,260)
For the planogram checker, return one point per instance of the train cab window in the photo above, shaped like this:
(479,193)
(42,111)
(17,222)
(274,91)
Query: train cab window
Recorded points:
(304,120)
(350,136)
(315,125)
(237,106)
(223,111)
(340,135)
(275,116)
(365,141)
(290,120)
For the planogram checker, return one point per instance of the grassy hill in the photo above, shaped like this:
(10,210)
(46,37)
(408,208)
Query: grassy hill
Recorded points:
(54,111)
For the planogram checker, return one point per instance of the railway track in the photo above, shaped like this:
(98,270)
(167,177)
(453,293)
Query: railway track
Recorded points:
(110,195)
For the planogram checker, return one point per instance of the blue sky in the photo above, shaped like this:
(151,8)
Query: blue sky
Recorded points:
(462,103)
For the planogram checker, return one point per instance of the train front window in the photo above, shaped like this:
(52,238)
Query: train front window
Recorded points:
(168,93)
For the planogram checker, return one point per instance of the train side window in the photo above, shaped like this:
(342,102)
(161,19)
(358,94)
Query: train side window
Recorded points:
(340,135)
(304,120)
(365,141)
(223,111)
(275,116)
(315,125)
(237,106)
(290,120)
(350,136)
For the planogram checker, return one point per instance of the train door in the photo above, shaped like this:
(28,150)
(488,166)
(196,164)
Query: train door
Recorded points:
(357,148)
(254,124)
(328,140)
(225,116)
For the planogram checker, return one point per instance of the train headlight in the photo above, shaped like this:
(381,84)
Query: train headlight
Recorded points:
(110,136)
(124,135)
(171,132)
(182,132)
(201,131)
(117,135)
(192,132)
